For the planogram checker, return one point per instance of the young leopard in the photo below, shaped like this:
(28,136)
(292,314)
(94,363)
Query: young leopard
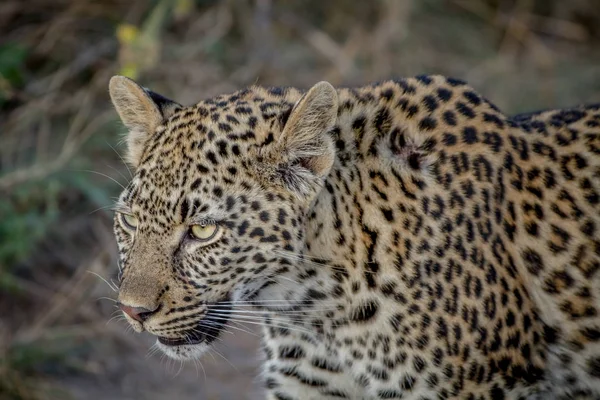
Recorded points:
(401,240)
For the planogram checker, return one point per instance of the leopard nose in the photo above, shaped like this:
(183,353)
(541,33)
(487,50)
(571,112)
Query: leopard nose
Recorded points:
(138,313)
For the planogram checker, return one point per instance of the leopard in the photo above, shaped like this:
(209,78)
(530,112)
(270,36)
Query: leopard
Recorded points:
(402,240)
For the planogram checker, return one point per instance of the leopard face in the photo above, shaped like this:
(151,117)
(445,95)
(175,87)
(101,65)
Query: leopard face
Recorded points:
(221,189)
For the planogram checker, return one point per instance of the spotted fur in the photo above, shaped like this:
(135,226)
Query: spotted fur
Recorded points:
(414,241)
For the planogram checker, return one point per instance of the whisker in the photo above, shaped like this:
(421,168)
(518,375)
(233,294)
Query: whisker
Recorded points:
(152,351)
(315,261)
(303,303)
(107,298)
(206,334)
(306,308)
(196,365)
(287,279)
(203,370)
(116,318)
(252,317)
(101,174)
(256,302)
(117,171)
(241,329)
(121,157)
(211,324)
(296,322)
(114,289)
(306,312)
(225,358)
(108,207)
(265,324)
(209,351)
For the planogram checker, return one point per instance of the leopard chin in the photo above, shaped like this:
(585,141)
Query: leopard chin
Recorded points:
(183,351)
(194,342)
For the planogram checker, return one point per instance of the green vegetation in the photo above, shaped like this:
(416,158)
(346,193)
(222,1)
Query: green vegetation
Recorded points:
(59,137)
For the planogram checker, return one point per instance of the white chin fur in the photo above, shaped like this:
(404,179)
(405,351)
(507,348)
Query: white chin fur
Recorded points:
(184,352)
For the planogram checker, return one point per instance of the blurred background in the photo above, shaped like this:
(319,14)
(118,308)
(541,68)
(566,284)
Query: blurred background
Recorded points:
(60,141)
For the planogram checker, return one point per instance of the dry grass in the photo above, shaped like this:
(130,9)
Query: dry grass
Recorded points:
(58,167)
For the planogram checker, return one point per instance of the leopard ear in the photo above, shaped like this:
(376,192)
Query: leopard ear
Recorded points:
(305,140)
(141,110)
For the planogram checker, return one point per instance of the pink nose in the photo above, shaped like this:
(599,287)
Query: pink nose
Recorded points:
(138,313)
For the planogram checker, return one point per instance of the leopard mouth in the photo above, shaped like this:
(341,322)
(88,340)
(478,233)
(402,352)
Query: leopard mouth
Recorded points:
(205,332)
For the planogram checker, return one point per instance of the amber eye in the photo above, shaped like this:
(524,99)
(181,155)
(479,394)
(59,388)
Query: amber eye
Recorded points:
(204,232)
(129,221)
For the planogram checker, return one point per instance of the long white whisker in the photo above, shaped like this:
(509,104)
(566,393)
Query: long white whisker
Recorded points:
(287,279)
(264,323)
(225,358)
(209,324)
(121,157)
(279,312)
(196,365)
(107,298)
(104,175)
(101,208)
(315,261)
(152,350)
(241,329)
(114,289)
(118,172)
(180,368)
(252,317)
(203,370)
(116,317)
(206,334)
(298,322)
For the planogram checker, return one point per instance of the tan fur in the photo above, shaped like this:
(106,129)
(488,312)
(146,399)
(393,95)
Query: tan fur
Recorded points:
(400,240)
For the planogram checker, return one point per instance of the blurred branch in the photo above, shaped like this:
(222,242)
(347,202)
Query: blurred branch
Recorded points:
(81,62)
(322,42)
(65,301)
(561,28)
(72,143)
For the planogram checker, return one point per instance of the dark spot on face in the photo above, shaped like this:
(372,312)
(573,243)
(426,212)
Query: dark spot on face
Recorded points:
(594,367)
(414,160)
(185,208)
(470,135)
(449,118)
(533,261)
(257,232)
(365,311)
(497,393)
(465,110)
(427,124)
(264,216)
(449,139)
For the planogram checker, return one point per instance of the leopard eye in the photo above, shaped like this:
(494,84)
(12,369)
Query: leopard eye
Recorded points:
(129,221)
(203,232)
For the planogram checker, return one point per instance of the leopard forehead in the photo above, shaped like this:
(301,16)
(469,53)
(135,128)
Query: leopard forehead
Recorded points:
(205,150)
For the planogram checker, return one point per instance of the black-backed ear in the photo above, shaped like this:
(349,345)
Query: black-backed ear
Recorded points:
(141,110)
(305,149)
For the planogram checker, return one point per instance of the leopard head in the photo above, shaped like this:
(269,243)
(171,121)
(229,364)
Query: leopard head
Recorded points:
(220,190)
